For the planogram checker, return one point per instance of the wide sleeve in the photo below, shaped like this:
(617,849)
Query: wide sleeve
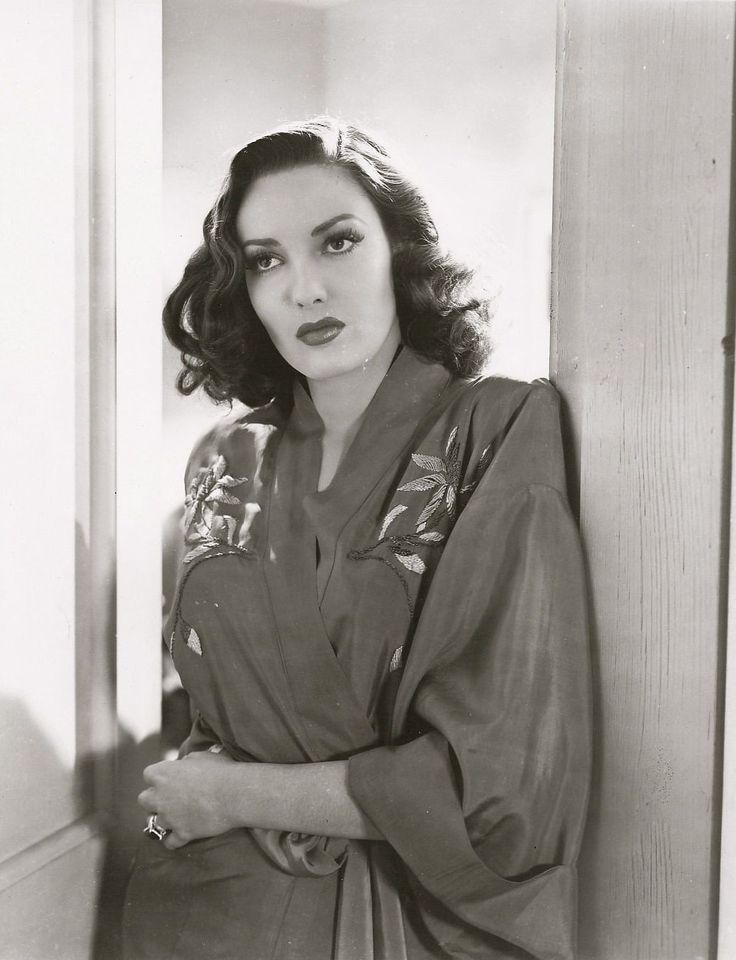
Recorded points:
(486,805)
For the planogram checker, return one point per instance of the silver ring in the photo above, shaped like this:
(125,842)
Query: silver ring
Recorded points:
(154,829)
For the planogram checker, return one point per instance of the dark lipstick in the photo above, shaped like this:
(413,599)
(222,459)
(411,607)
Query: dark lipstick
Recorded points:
(319,332)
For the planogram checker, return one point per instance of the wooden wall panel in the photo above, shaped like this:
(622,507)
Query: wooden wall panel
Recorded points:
(643,170)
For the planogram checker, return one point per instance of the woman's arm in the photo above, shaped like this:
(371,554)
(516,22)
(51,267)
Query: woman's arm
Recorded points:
(205,794)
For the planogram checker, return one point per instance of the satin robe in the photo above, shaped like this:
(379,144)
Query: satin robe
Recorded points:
(424,616)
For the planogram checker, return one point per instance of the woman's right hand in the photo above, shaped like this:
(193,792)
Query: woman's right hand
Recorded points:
(191,797)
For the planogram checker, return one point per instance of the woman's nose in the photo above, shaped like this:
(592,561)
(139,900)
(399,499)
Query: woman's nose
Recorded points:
(307,286)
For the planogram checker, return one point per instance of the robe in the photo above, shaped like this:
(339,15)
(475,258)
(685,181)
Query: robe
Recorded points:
(423,617)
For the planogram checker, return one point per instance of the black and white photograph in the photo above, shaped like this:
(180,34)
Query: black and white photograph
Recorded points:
(367,374)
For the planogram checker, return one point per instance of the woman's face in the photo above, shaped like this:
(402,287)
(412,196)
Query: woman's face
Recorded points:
(318,270)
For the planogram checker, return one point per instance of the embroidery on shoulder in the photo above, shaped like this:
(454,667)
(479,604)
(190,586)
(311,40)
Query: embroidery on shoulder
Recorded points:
(485,459)
(204,525)
(443,479)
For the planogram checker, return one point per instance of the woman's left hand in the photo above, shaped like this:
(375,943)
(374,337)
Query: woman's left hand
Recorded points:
(190,796)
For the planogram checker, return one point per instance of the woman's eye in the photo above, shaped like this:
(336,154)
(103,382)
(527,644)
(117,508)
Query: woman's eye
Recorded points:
(343,242)
(261,263)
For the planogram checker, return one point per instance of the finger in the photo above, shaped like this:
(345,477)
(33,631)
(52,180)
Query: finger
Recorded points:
(146,800)
(172,841)
(151,772)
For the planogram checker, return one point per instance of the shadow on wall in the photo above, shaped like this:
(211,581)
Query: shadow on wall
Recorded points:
(176,717)
(65,908)
(124,822)
(124,818)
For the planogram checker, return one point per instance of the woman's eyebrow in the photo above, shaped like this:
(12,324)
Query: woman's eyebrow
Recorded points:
(333,220)
(262,242)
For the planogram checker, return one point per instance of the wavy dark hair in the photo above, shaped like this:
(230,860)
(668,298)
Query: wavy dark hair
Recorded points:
(209,317)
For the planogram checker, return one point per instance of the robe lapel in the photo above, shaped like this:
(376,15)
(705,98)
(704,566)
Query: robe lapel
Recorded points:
(332,719)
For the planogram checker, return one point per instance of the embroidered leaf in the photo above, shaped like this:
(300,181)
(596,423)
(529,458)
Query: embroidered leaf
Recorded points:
(193,642)
(432,537)
(197,481)
(219,495)
(389,518)
(426,462)
(407,539)
(451,440)
(451,500)
(431,508)
(412,562)
(198,530)
(424,483)
(396,659)
(229,481)
(219,467)
(223,529)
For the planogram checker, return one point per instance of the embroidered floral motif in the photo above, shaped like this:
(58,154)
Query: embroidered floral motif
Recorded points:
(445,476)
(443,479)
(204,525)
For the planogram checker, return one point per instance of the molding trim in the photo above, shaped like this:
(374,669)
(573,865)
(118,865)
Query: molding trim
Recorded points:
(39,855)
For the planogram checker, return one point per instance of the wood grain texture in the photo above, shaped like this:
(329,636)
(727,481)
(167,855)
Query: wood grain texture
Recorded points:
(643,163)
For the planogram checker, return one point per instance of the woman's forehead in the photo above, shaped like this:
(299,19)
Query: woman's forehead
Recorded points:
(301,199)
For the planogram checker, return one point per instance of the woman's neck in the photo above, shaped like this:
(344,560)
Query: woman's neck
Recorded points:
(342,401)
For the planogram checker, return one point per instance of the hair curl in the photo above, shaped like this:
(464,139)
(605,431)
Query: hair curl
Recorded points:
(209,317)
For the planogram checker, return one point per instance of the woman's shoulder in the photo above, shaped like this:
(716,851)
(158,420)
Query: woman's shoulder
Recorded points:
(513,425)
(497,401)
(235,443)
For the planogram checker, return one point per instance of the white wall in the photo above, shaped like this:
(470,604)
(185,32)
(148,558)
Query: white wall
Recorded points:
(50,657)
(37,399)
(463,90)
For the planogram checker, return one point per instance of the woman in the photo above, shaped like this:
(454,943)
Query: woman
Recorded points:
(380,617)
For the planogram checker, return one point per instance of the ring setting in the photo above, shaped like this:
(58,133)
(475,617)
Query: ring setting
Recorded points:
(154,829)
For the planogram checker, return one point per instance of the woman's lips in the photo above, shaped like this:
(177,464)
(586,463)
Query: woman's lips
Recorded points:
(319,332)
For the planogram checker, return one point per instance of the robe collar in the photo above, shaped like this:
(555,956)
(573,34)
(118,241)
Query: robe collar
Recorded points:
(408,393)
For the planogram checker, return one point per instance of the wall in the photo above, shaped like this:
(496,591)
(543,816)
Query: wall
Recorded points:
(52,655)
(643,321)
(37,324)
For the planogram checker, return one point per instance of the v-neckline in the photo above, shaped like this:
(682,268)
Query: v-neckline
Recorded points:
(410,389)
